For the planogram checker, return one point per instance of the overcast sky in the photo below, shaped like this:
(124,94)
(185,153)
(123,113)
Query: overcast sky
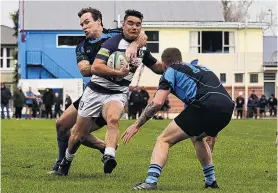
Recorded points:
(8,6)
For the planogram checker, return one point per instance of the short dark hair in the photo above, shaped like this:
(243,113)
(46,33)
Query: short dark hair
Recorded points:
(131,12)
(96,14)
(171,56)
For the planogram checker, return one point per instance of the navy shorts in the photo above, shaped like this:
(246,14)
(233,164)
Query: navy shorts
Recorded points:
(208,117)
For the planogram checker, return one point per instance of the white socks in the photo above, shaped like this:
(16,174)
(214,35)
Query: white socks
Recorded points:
(69,156)
(110,151)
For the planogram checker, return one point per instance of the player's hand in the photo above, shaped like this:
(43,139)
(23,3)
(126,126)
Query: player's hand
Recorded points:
(123,71)
(131,52)
(129,133)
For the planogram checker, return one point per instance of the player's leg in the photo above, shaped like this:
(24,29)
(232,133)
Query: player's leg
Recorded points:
(211,142)
(170,136)
(112,111)
(79,133)
(204,155)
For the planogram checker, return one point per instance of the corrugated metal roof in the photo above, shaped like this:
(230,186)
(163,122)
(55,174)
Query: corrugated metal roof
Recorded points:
(270,49)
(55,15)
(7,37)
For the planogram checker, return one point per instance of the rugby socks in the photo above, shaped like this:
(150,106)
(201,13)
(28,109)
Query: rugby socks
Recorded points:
(110,151)
(62,146)
(209,174)
(153,173)
(69,156)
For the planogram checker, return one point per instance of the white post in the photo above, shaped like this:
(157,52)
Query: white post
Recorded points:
(119,21)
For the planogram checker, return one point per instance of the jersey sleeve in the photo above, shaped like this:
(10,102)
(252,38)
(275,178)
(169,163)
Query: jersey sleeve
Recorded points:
(148,59)
(108,48)
(80,52)
(113,32)
(167,80)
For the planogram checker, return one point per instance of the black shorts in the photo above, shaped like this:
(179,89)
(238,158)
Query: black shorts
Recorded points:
(29,105)
(76,103)
(100,121)
(211,115)
(262,110)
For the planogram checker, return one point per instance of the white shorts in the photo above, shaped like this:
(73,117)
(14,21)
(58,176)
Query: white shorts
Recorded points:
(92,102)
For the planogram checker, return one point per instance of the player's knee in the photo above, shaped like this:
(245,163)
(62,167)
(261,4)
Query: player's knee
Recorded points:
(78,136)
(162,139)
(113,119)
(61,129)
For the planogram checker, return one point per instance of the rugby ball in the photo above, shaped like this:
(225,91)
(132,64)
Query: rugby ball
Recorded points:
(117,60)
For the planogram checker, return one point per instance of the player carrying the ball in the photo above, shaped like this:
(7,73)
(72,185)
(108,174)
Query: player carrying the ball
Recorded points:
(209,110)
(105,95)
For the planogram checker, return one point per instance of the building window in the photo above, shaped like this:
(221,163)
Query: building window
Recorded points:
(269,76)
(6,58)
(239,78)
(153,41)
(212,42)
(254,78)
(223,78)
(69,41)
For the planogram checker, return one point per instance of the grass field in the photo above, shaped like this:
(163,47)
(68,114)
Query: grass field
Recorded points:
(244,158)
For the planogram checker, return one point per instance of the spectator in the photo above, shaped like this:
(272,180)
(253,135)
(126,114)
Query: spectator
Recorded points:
(48,101)
(272,105)
(30,96)
(19,101)
(239,105)
(68,101)
(144,97)
(134,103)
(37,103)
(57,105)
(5,99)
(262,106)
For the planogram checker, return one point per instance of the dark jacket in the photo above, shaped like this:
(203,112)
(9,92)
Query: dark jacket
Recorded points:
(5,95)
(48,98)
(19,98)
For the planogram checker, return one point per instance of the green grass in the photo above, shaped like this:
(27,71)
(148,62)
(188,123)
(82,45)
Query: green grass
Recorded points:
(244,158)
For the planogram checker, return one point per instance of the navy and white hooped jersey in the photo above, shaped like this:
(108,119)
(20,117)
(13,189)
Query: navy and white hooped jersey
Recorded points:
(190,83)
(88,48)
(108,84)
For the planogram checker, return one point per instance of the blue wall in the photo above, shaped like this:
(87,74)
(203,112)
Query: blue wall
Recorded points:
(45,42)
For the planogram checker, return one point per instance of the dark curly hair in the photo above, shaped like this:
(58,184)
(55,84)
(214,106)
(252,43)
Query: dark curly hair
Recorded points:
(131,12)
(96,14)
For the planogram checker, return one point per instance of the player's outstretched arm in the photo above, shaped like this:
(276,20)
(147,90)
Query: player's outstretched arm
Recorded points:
(158,67)
(151,109)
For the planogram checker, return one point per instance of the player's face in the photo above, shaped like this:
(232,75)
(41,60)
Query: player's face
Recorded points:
(89,26)
(132,27)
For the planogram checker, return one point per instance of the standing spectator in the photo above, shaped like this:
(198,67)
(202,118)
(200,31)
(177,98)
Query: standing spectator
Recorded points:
(262,105)
(68,101)
(134,100)
(19,101)
(5,99)
(239,105)
(48,101)
(57,105)
(144,97)
(37,103)
(272,102)
(30,96)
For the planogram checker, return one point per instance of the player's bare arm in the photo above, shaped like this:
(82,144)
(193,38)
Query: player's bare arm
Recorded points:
(100,68)
(132,49)
(85,68)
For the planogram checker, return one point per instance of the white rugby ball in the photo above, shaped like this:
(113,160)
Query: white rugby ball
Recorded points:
(117,60)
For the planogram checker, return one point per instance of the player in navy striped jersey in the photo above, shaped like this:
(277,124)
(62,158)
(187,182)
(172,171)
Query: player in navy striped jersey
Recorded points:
(86,51)
(106,96)
(209,110)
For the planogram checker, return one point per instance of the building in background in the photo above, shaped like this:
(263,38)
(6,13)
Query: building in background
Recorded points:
(8,46)
(234,51)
